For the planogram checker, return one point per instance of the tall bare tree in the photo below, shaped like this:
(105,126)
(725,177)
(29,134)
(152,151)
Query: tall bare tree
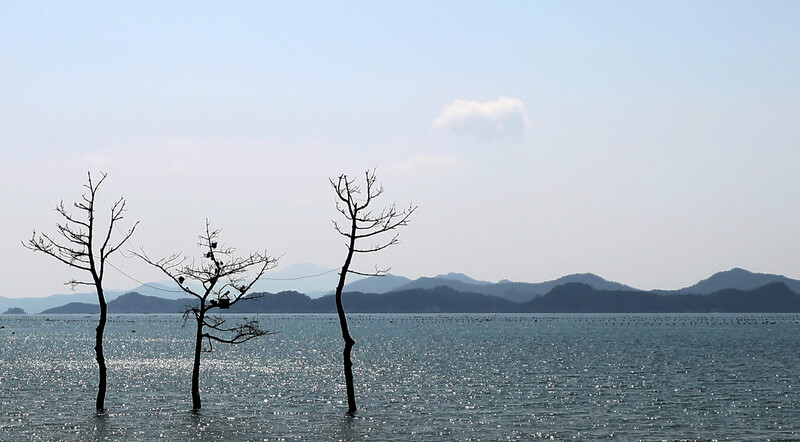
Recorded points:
(222,278)
(82,246)
(362,224)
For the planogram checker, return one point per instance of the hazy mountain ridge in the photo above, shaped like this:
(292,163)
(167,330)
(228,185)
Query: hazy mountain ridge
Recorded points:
(740,279)
(774,297)
(514,291)
(519,292)
(377,284)
(574,297)
(128,303)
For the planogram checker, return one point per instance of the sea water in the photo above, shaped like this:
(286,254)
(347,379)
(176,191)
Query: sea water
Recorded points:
(418,377)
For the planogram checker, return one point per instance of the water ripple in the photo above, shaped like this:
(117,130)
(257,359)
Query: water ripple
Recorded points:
(418,377)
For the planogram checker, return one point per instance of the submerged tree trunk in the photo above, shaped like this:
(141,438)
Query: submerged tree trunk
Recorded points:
(98,349)
(353,203)
(348,340)
(76,248)
(198,348)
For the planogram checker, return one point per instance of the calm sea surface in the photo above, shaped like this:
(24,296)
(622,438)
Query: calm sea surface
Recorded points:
(418,377)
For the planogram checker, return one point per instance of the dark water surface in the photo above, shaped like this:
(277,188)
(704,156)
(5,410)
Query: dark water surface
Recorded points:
(418,377)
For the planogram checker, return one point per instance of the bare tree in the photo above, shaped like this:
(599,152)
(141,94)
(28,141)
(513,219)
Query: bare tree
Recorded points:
(222,278)
(77,247)
(363,224)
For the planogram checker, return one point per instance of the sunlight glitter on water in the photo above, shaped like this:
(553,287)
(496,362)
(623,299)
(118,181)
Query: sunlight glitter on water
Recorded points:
(457,377)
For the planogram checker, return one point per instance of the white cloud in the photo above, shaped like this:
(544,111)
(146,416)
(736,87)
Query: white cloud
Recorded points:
(99,160)
(428,162)
(179,155)
(504,116)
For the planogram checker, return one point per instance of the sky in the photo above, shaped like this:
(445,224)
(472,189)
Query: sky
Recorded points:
(651,143)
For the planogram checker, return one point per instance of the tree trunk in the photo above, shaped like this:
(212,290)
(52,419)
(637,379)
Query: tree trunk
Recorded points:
(348,340)
(198,348)
(348,375)
(98,349)
(348,363)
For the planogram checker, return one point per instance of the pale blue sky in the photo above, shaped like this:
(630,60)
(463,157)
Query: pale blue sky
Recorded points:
(652,143)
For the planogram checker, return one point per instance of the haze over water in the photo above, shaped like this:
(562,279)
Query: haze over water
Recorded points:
(418,377)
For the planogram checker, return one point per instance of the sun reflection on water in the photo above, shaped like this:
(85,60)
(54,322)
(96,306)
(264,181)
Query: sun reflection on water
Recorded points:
(456,377)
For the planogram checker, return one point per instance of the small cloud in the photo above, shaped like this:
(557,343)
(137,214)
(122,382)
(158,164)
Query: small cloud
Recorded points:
(504,116)
(429,162)
(99,160)
(178,156)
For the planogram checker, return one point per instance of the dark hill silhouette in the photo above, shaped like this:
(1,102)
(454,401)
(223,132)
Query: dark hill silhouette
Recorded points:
(164,290)
(427,282)
(773,297)
(463,278)
(437,300)
(523,291)
(565,298)
(283,302)
(376,284)
(128,303)
(137,303)
(739,279)
(513,291)
(440,299)
(73,308)
(15,311)
(581,298)
(32,304)
(576,297)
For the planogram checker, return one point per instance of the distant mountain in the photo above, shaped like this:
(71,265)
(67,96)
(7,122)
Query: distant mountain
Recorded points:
(520,292)
(283,302)
(462,278)
(15,311)
(567,298)
(589,279)
(166,289)
(577,297)
(73,308)
(513,291)
(739,279)
(38,304)
(523,291)
(426,282)
(310,279)
(773,297)
(138,303)
(296,277)
(376,284)
(437,300)
(127,303)
(582,298)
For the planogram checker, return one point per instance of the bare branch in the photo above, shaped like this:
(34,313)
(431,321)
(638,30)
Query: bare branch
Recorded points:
(77,250)
(171,267)
(67,216)
(43,243)
(387,224)
(116,215)
(225,281)
(364,223)
(378,247)
(74,283)
(380,272)
(241,333)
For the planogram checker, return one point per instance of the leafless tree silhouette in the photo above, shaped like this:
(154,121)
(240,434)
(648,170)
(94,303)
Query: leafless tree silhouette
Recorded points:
(362,224)
(77,247)
(223,278)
